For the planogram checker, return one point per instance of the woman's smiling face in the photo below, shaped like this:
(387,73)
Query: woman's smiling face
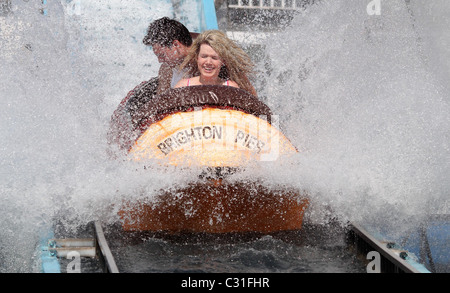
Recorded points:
(208,62)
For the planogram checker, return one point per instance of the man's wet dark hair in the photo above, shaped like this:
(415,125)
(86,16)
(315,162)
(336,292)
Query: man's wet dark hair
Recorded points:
(164,31)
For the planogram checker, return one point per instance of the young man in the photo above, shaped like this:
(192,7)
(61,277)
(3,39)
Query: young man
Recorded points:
(170,41)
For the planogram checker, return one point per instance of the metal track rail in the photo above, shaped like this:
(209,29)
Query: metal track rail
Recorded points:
(110,264)
(393,258)
(53,252)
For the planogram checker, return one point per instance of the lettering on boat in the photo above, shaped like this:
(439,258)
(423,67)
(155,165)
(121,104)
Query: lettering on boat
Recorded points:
(185,136)
(249,141)
(210,132)
(205,98)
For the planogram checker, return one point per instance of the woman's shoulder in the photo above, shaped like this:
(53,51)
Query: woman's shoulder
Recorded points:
(182,83)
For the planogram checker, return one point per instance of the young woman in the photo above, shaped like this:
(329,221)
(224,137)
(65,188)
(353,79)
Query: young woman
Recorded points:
(214,59)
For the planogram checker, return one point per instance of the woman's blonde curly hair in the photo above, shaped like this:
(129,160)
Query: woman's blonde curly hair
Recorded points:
(238,66)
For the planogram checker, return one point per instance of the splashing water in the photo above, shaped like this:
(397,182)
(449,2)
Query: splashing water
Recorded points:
(363,97)
(62,75)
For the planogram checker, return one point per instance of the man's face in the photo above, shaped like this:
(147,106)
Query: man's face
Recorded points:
(170,55)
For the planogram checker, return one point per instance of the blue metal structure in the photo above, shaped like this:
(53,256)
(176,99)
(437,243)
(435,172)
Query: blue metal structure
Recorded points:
(196,15)
(208,17)
(430,242)
(49,261)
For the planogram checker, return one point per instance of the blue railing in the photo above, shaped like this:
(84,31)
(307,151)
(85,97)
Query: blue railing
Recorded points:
(208,18)
(204,19)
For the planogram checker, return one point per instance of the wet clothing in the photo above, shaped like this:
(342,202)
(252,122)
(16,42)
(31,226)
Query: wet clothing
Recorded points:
(177,75)
(122,128)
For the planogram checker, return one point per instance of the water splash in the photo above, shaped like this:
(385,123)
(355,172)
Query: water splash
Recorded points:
(360,96)
(369,114)
(61,78)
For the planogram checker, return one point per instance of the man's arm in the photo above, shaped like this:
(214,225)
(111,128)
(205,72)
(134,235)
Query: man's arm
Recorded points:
(165,78)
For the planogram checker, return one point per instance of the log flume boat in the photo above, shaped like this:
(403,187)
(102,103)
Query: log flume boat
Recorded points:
(221,130)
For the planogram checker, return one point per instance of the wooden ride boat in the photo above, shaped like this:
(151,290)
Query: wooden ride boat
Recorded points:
(221,130)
